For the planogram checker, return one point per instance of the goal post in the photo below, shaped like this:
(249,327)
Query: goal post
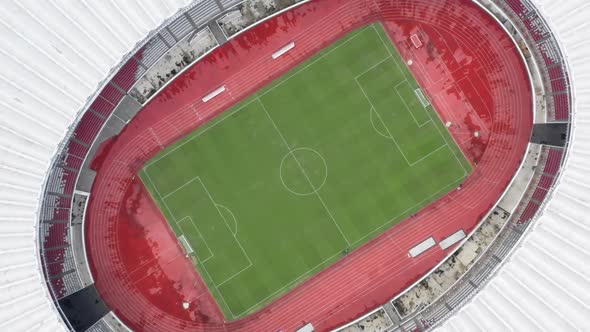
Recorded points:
(423,100)
(185,245)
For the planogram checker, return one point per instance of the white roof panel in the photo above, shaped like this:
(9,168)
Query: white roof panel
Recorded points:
(54,55)
(547,277)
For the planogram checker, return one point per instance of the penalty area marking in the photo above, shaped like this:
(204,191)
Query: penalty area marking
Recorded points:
(217,207)
(438,115)
(382,122)
(202,265)
(235,231)
(371,112)
(389,135)
(250,264)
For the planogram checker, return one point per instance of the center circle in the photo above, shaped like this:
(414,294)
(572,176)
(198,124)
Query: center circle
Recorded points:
(303,171)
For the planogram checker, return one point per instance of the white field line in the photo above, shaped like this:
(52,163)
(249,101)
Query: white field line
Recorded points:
(303,171)
(224,220)
(161,199)
(373,67)
(431,153)
(408,109)
(233,217)
(410,164)
(215,124)
(405,80)
(250,264)
(440,119)
(223,217)
(319,187)
(233,276)
(388,50)
(447,142)
(371,111)
(182,186)
(179,221)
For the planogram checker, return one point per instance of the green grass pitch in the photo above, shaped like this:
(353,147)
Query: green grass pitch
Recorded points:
(312,166)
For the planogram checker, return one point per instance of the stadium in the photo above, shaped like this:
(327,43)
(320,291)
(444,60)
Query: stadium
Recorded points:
(294,165)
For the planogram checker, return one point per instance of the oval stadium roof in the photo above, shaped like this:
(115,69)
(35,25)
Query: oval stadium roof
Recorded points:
(545,284)
(54,55)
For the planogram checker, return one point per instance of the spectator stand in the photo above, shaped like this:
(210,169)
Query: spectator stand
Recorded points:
(545,48)
(131,76)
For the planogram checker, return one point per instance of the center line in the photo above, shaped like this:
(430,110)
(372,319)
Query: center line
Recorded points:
(302,170)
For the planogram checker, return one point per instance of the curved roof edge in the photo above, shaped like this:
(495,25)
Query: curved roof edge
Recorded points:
(544,284)
(559,227)
(55,57)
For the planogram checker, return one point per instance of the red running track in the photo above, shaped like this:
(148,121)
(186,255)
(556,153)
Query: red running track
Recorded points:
(471,71)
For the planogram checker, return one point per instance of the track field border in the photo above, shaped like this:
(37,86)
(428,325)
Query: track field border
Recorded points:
(257,98)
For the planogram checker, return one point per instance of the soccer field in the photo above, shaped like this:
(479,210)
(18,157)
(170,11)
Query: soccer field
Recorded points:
(312,166)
